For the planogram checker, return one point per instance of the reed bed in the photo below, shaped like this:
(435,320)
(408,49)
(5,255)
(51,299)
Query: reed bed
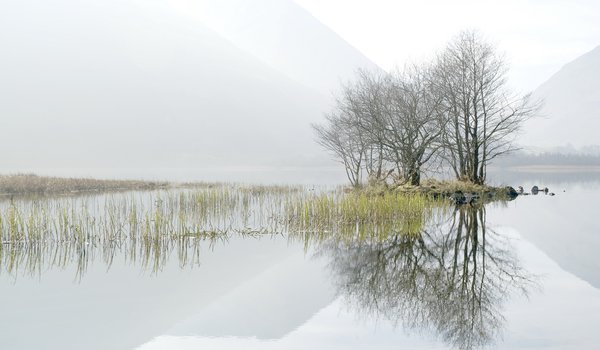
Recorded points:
(145,227)
(20,184)
(148,228)
(360,215)
(165,214)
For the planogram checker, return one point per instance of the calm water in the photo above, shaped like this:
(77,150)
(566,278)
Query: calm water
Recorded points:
(516,276)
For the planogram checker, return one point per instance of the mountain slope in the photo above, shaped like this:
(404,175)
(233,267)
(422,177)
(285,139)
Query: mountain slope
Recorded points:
(126,83)
(571,111)
(284,36)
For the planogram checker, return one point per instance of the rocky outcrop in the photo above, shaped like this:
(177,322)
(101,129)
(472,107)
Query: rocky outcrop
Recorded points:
(462,198)
(511,192)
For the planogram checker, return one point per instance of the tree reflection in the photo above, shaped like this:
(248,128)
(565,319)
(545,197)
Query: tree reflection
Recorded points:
(452,279)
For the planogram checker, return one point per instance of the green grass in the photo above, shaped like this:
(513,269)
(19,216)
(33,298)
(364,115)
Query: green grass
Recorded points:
(149,226)
(189,213)
(360,214)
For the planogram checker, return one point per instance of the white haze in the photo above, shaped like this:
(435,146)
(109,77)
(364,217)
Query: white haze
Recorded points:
(571,111)
(156,85)
(537,36)
(284,36)
(137,84)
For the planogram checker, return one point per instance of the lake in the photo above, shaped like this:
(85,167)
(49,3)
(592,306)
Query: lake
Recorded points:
(517,275)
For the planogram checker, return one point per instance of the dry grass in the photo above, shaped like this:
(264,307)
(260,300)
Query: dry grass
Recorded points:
(150,216)
(440,187)
(22,184)
(144,227)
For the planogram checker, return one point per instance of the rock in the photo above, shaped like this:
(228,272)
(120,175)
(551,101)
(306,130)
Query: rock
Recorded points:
(535,190)
(520,190)
(458,198)
(471,198)
(511,192)
(551,194)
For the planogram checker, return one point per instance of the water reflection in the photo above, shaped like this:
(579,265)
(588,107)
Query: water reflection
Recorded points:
(440,269)
(452,279)
(144,229)
(33,259)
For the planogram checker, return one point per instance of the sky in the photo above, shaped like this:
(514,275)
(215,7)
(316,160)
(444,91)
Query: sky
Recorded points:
(537,37)
(259,72)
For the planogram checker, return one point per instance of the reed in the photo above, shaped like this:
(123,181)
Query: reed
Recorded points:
(360,214)
(152,215)
(147,227)
(21,184)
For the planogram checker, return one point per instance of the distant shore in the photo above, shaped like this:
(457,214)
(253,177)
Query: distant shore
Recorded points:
(461,192)
(555,168)
(25,184)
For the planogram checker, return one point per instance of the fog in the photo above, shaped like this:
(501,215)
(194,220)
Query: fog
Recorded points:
(140,84)
(282,35)
(571,112)
(181,89)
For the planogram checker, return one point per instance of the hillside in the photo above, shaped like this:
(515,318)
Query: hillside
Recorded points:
(283,35)
(136,84)
(571,111)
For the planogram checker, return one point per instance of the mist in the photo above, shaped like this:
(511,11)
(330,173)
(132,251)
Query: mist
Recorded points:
(110,85)
(292,174)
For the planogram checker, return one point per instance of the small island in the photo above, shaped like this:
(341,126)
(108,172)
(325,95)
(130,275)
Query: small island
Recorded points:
(453,115)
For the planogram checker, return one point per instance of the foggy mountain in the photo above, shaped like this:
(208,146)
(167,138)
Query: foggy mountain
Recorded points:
(138,84)
(284,36)
(571,111)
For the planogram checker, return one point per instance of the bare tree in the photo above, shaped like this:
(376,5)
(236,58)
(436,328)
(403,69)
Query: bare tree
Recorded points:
(340,137)
(394,120)
(483,115)
(459,109)
(398,115)
(413,123)
(363,102)
(349,130)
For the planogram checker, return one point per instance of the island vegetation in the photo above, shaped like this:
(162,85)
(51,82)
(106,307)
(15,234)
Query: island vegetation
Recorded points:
(454,114)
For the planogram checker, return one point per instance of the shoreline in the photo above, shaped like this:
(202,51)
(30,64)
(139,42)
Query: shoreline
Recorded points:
(31,184)
(554,168)
(459,192)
